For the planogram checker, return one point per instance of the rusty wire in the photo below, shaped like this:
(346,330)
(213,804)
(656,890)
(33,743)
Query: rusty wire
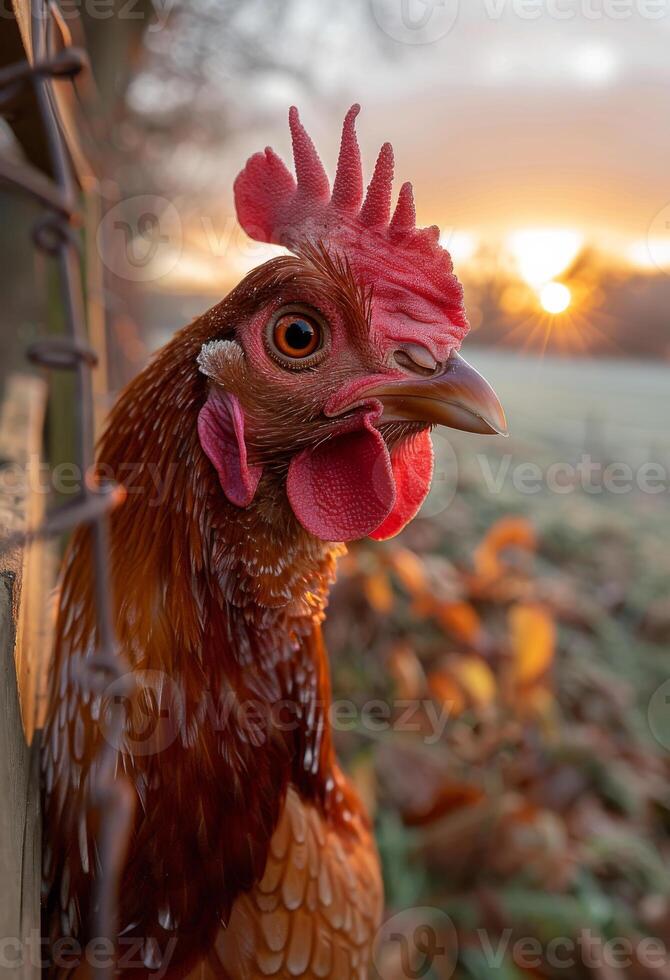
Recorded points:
(55,233)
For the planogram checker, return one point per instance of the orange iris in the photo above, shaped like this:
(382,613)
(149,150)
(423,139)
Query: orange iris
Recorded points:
(296,335)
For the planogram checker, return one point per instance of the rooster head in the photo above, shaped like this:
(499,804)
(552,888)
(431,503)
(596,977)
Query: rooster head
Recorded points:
(342,356)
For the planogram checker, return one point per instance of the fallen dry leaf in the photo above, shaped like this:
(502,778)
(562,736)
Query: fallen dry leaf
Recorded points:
(378,592)
(509,532)
(406,670)
(461,619)
(532,641)
(476,678)
(447,692)
(410,571)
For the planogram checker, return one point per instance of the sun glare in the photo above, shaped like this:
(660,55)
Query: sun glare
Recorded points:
(651,253)
(461,245)
(542,254)
(555,297)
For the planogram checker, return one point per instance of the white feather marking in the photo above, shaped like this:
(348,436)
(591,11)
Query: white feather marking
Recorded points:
(218,355)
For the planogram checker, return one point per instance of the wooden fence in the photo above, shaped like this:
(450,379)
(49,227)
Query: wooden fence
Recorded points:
(26,576)
(38,65)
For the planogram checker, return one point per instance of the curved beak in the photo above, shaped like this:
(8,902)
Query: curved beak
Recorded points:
(457,397)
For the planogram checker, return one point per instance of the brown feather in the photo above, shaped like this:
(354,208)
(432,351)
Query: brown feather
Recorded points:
(216,608)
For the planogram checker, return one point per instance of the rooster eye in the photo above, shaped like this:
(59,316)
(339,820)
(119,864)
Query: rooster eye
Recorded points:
(294,336)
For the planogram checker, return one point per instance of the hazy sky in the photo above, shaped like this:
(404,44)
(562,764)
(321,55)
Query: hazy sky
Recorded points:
(512,117)
(507,115)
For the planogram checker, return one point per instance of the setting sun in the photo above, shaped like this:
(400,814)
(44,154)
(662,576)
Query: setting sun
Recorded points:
(555,297)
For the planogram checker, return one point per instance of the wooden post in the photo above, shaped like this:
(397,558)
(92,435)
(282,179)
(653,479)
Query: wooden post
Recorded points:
(26,577)
(47,130)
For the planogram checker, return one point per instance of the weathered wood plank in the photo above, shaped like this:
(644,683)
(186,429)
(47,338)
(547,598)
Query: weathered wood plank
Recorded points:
(24,651)
(20,837)
(23,497)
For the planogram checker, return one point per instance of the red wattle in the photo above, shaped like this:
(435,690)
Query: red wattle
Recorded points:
(342,489)
(412,463)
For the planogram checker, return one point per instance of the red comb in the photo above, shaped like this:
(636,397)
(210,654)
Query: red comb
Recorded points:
(273,206)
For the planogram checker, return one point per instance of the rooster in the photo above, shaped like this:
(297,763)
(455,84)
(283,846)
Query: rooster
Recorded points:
(292,417)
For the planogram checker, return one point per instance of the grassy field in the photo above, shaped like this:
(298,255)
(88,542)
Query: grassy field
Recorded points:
(558,400)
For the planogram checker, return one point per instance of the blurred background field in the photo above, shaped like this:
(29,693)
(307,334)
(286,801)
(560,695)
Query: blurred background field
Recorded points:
(540,623)
(534,626)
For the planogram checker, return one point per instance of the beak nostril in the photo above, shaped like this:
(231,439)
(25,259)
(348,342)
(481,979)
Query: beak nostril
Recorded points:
(415,358)
(455,395)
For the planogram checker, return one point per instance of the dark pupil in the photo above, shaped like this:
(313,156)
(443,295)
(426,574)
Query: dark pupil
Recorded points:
(299,334)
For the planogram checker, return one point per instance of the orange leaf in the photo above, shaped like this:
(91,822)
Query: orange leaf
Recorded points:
(378,592)
(364,778)
(533,642)
(450,797)
(509,532)
(446,691)
(423,605)
(406,671)
(460,618)
(477,678)
(538,702)
(410,571)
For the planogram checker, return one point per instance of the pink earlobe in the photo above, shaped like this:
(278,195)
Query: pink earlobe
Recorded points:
(342,489)
(221,433)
